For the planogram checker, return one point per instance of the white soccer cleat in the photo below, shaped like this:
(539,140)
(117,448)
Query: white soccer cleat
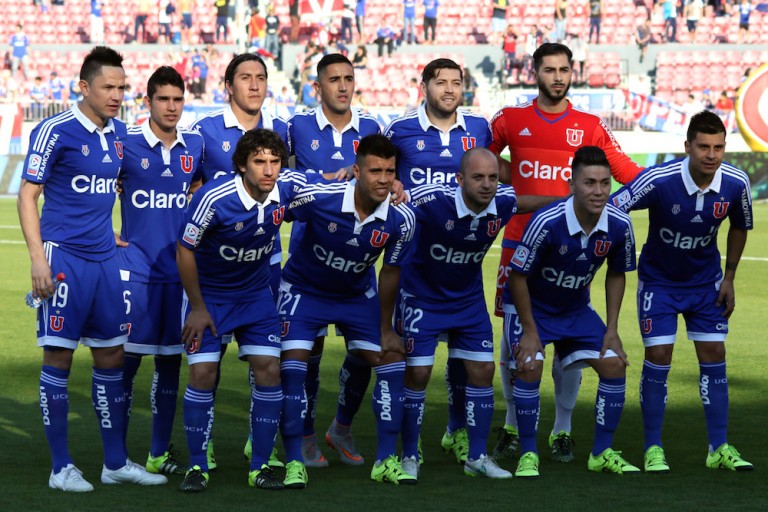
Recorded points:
(69,479)
(131,473)
(485,466)
(411,465)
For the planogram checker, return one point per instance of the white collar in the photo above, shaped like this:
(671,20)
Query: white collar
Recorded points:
(426,123)
(692,188)
(348,204)
(152,139)
(462,210)
(230,120)
(90,125)
(574,228)
(323,121)
(247,200)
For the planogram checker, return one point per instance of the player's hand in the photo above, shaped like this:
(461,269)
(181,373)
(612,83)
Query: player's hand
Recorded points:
(611,341)
(119,241)
(398,193)
(391,342)
(197,321)
(344,174)
(727,296)
(526,351)
(119,187)
(42,283)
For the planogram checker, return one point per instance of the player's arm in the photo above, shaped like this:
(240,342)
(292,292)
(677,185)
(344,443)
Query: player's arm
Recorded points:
(530,344)
(505,170)
(29,218)
(615,283)
(198,318)
(529,204)
(623,168)
(389,280)
(737,239)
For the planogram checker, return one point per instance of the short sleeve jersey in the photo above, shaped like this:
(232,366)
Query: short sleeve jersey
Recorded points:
(681,251)
(427,155)
(561,260)
(153,201)
(541,148)
(78,163)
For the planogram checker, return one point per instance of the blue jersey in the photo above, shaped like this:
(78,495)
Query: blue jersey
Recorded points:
(337,253)
(452,240)
(19,44)
(426,155)
(409,8)
(319,147)
(79,164)
(56,88)
(430,8)
(153,201)
(233,235)
(221,131)
(561,260)
(681,249)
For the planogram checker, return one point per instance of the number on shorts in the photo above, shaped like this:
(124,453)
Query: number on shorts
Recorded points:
(60,295)
(127,300)
(647,300)
(284,302)
(410,317)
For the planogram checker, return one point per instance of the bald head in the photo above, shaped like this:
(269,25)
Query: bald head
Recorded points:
(476,157)
(478,178)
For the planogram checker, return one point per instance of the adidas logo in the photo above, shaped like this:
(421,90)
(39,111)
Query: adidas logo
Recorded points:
(259,231)
(697,219)
(167,173)
(337,156)
(525,132)
(470,236)
(106,160)
(446,153)
(353,242)
(581,257)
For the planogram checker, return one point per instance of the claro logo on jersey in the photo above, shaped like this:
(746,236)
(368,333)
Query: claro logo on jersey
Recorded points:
(544,171)
(230,253)
(440,252)
(421,176)
(681,241)
(330,259)
(83,184)
(564,280)
(158,200)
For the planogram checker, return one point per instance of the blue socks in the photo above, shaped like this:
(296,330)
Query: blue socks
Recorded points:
(312,387)
(54,404)
(479,413)
(527,404)
(713,390)
(609,405)
(653,400)
(107,394)
(388,400)
(413,413)
(198,422)
(131,365)
(293,375)
(354,376)
(162,398)
(456,382)
(267,404)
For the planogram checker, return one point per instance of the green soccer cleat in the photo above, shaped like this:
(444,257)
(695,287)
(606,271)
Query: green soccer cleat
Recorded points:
(456,443)
(528,466)
(655,461)
(165,464)
(211,456)
(390,470)
(273,462)
(265,478)
(196,480)
(507,442)
(611,461)
(296,476)
(421,452)
(248,449)
(727,457)
(562,445)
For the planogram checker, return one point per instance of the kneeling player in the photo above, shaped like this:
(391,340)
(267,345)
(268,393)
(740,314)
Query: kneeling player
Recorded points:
(562,248)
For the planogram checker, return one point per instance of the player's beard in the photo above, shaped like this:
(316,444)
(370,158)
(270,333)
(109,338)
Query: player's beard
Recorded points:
(549,94)
(437,108)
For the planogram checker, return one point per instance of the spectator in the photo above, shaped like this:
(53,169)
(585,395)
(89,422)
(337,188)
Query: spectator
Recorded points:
(97,22)
(38,94)
(272,39)
(360,58)
(532,42)
(692,12)
(745,10)
(75,94)
(308,94)
(579,51)
(56,88)
(165,12)
(691,106)
(286,98)
(358,100)
(293,12)
(430,20)
(595,19)
(670,20)
(385,36)
(561,13)
(643,37)
(199,62)
(413,91)
(19,51)
(706,99)
(360,19)
(499,20)
(257,31)
(724,104)
(469,88)
(219,94)
(140,21)
(347,16)
(510,48)
(222,19)
(185,7)
(409,21)
(322,35)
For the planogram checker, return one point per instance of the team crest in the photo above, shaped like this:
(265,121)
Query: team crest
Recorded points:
(277,215)
(468,143)
(675,209)
(284,328)
(646,324)
(493,227)
(332,227)
(186,163)
(449,225)
(602,247)
(239,226)
(119,149)
(574,136)
(355,145)
(315,144)
(145,163)
(56,323)
(225,146)
(720,208)
(85,150)
(378,238)
(420,144)
(409,345)
(563,249)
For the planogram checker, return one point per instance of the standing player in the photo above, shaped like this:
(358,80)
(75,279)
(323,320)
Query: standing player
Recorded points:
(329,278)
(76,155)
(431,141)
(562,248)
(158,168)
(542,137)
(680,274)
(325,139)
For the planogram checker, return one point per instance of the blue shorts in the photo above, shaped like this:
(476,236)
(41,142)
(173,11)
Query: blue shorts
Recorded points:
(186,20)
(468,328)
(576,337)
(303,316)
(87,307)
(657,315)
(255,325)
(154,315)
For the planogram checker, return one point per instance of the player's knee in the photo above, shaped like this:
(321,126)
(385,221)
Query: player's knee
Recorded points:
(480,373)
(417,377)
(659,354)
(203,375)
(60,358)
(710,352)
(533,374)
(612,368)
(108,357)
(266,370)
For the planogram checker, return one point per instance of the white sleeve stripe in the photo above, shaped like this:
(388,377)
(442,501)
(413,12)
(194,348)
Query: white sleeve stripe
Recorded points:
(534,228)
(210,197)
(45,130)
